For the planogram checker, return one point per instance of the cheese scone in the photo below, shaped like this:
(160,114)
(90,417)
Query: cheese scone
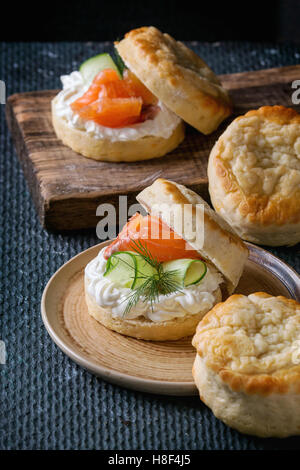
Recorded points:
(178,76)
(204,268)
(133,110)
(247,366)
(254,176)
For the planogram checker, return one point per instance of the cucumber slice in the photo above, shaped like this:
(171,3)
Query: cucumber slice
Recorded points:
(121,268)
(128,269)
(94,65)
(144,270)
(189,271)
(119,61)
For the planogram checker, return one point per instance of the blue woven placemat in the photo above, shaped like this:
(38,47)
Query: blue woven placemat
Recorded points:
(47,401)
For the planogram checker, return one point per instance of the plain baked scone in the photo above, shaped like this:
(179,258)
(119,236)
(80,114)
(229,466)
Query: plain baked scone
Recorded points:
(178,76)
(247,366)
(254,176)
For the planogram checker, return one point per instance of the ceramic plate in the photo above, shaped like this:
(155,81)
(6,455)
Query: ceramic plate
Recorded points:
(156,367)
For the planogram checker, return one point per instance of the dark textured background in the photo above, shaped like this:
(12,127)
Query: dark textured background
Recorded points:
(100,20)
(47,401)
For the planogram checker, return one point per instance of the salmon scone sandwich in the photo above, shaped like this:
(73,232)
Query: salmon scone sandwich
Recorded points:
(160,276)
(133,108)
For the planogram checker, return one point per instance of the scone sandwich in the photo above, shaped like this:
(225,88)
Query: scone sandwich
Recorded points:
(254,176)
(155,283)
(132,108)
(247,366)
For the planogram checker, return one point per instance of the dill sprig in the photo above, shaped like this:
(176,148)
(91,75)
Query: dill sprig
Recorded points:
(159,283)
(141,249)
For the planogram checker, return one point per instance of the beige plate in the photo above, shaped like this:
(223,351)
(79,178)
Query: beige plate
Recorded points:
(156,367)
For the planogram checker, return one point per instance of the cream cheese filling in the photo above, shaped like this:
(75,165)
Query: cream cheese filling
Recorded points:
(162,125)
(189,301)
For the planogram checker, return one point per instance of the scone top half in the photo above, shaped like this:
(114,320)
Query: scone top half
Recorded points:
(187,213)
(254,176)
(247,367)
(177,76)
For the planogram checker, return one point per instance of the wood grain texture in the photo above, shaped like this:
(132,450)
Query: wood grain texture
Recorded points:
(156,367)
(133,357)
(67,187)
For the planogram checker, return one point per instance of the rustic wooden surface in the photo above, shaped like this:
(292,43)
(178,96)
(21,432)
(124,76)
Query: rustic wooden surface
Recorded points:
(163,367)
(67,187)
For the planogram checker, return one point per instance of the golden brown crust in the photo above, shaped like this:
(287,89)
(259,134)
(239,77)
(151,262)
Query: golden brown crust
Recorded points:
(220,245)
(254,175)
(278,114)
(143,328)
(253,343)
(177,76)
(275,415)
(115,151)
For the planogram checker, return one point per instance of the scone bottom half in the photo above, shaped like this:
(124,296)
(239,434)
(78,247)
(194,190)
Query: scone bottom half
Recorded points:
(106,150)
(247,366)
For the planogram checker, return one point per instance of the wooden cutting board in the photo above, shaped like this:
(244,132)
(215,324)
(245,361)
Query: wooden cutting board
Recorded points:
(67,187)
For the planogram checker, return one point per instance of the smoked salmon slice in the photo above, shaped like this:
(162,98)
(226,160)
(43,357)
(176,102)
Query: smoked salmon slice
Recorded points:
(139,88)
(114,102)
(92,94)
(109,112)
(117,89)
(160,240)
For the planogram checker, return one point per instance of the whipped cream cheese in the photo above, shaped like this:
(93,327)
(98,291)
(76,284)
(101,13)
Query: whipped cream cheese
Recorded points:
(190,300)
(74,86)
